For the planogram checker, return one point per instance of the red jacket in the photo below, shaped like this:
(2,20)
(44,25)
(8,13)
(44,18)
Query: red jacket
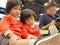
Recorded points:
(8,22)
(28,30)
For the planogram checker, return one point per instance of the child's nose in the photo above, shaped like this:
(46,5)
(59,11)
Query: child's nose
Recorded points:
(30,21)
(18,11)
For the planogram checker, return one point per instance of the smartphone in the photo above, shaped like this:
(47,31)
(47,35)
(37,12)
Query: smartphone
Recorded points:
(58,19)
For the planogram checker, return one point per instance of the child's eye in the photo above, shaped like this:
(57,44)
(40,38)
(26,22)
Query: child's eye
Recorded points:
(17,8)
(31,18)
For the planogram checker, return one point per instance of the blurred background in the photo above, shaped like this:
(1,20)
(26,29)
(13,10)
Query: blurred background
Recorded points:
(36,5)
(39,6)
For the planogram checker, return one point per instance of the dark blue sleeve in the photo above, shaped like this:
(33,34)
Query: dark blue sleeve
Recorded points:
(42,21)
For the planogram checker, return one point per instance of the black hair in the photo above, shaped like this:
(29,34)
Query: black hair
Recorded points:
(25,14)
(50,4)
(10,4)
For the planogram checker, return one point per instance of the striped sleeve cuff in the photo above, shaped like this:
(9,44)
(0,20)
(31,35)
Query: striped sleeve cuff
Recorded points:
(7,32)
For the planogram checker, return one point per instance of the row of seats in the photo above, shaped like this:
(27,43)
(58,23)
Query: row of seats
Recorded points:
(2,12)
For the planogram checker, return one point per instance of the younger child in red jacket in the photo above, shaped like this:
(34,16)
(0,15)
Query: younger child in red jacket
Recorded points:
(27,18)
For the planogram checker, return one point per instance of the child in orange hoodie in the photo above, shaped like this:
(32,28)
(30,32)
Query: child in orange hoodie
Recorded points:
(27,18)
(10,22)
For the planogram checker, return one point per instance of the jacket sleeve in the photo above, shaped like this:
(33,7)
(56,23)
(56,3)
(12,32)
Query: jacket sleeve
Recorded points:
(24,33)
(35,31)
(42,21)
(4,26)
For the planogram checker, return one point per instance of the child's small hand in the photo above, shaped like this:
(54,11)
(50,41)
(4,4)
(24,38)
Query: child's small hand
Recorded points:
(13,36)
(52,22)
(13,39)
